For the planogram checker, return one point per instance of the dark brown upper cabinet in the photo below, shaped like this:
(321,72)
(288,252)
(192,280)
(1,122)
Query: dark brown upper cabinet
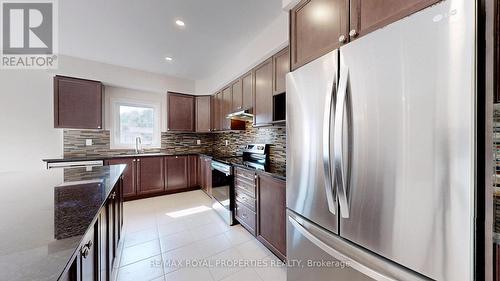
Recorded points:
(320,26)
(369,15)
(216,108)
(247,90)
(281,66)
(316,28)
(176,172)
(237,103)
(180,112)
(496,68)
(77,103)
(227,100)
(150,175)
(203,113)
(263,104)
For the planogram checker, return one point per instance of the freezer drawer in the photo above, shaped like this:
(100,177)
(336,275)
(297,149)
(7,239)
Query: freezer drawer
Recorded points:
(316,254)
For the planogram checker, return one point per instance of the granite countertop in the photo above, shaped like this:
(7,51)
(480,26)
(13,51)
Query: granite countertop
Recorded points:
(105,157)
(277,172)
(272,170)
(44,215)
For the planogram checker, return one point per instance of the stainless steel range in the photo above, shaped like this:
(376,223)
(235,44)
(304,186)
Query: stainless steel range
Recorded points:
(254,156)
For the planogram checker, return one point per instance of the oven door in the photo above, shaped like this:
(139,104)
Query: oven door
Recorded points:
(223,195)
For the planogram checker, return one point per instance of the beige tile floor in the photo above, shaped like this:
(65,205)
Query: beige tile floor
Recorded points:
(179,237)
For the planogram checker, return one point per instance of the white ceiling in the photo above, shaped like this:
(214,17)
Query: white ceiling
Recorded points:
(141,33)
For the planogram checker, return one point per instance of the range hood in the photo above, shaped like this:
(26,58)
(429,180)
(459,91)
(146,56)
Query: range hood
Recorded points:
(243,115)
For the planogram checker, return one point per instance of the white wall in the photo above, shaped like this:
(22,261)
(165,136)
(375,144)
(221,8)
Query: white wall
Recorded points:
(27,133)
(123,77)
(273,38)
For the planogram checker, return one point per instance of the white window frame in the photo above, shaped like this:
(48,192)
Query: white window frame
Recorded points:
(115,122)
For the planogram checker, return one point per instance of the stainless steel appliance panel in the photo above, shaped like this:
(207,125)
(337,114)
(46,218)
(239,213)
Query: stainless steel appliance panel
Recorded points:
(316,254)
(409,179)
(223,191)
(310,100)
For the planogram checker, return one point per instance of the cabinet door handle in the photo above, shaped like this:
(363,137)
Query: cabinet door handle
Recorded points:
(353,33)
(342,39)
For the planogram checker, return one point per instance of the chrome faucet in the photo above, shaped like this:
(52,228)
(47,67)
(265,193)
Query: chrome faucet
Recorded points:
(138,145)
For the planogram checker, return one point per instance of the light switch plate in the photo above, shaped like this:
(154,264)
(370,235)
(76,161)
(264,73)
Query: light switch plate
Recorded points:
(198,142)
(88,142)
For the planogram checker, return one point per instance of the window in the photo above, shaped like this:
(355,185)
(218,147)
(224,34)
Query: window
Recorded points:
(134,119)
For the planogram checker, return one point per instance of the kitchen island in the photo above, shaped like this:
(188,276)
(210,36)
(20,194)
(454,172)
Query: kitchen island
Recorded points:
(60,224)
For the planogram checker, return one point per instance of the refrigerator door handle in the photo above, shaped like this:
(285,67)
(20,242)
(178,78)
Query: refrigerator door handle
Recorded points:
(338,145)
(337,255)
(329,185)
(354,257)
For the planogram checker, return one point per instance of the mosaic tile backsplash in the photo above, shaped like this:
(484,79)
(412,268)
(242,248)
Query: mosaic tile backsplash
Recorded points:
(74,143)
(496,180)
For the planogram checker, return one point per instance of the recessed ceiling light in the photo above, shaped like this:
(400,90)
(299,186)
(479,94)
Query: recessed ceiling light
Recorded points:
(168,58)
(180,23)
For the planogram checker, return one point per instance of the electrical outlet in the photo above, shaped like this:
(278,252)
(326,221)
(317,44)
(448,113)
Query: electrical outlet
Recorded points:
(88,142)
(198,142)
(227,142)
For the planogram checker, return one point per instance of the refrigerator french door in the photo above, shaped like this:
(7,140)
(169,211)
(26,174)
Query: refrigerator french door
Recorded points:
(393,193)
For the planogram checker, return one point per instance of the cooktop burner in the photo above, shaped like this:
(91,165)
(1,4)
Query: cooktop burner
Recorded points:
(254,156)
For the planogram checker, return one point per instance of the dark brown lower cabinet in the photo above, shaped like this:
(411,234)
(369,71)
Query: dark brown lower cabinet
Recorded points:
(97,251)
(103,245)
(129,175)
(206,175)
(193,170)
(157,175)
(150,176)
(245,190)
(114,225)
(271,218)
(89,267)
(176,172)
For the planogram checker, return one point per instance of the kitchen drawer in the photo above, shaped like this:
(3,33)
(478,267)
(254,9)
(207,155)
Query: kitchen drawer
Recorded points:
(248,187)
(244,174)
(246,217)
(245,199)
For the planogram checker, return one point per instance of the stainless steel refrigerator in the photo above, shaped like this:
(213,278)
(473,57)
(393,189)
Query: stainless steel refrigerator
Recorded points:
(381,154)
